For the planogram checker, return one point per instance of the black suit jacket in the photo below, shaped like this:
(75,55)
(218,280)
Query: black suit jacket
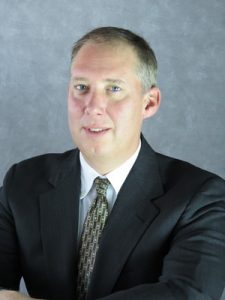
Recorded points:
(164,239)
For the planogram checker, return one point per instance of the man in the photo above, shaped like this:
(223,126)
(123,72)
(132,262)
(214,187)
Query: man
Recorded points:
(161,233)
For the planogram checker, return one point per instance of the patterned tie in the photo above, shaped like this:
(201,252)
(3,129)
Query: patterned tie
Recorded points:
(92,229)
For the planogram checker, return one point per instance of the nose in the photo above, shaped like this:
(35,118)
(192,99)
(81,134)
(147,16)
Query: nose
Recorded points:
(96,104)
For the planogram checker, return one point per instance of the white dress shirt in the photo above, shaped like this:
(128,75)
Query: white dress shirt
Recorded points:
(88,192)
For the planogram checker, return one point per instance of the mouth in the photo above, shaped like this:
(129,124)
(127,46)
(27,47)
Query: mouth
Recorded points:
(96,130)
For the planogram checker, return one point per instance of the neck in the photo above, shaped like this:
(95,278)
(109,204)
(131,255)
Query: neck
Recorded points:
(103,165)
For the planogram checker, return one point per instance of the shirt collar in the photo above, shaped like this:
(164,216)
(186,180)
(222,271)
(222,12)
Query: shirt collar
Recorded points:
(88,175)
(116,177)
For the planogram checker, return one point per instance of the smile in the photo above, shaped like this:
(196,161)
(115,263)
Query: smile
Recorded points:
(96,130)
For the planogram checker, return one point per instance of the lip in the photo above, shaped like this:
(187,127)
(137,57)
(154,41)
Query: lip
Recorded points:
(96,131)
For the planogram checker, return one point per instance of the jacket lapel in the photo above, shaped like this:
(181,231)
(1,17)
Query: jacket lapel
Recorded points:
(59,212)
(133,212)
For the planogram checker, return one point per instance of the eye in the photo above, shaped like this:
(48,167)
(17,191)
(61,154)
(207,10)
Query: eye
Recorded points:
(81,87)
(114,88)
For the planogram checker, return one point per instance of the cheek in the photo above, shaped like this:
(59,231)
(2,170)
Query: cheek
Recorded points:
(75,107)
(126,111)
(74,117)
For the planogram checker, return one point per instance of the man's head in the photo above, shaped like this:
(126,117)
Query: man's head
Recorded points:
(106,101)
(146,60)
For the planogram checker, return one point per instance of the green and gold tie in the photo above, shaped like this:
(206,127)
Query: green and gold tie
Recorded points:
(92,229)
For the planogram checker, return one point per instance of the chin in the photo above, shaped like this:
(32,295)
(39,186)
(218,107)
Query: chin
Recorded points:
(97,151)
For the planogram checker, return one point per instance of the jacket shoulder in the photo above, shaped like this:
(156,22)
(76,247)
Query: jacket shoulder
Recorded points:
(174,170)
(38,171)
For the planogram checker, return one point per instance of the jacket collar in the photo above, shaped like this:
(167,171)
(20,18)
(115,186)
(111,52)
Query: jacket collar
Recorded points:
(59,212)
(134,210)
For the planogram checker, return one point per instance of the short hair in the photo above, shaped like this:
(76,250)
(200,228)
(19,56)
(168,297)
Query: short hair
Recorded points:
(147,63)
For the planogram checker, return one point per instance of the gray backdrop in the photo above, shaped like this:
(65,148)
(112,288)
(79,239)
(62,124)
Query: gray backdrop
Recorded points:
(189,41)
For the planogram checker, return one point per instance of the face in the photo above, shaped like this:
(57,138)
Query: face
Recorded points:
(106,104)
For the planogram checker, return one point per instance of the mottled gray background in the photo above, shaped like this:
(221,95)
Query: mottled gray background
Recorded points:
(189,41)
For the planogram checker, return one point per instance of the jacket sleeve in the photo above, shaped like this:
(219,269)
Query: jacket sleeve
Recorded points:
(194,268)
(10,274)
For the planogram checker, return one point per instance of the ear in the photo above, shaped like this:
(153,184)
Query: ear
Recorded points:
(152,100)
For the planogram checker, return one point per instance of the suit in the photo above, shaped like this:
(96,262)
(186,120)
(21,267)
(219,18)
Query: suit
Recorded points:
(164,239)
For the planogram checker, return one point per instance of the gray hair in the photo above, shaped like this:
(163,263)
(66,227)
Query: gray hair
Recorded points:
(147,63)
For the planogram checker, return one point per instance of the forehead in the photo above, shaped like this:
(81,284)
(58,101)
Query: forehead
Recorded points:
(104,56)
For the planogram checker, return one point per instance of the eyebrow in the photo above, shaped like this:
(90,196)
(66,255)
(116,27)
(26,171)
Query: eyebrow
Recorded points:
(115,81)
(109,80)
(80,79)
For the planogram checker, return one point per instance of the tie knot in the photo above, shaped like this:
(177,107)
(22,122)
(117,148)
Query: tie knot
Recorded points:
(101,186)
